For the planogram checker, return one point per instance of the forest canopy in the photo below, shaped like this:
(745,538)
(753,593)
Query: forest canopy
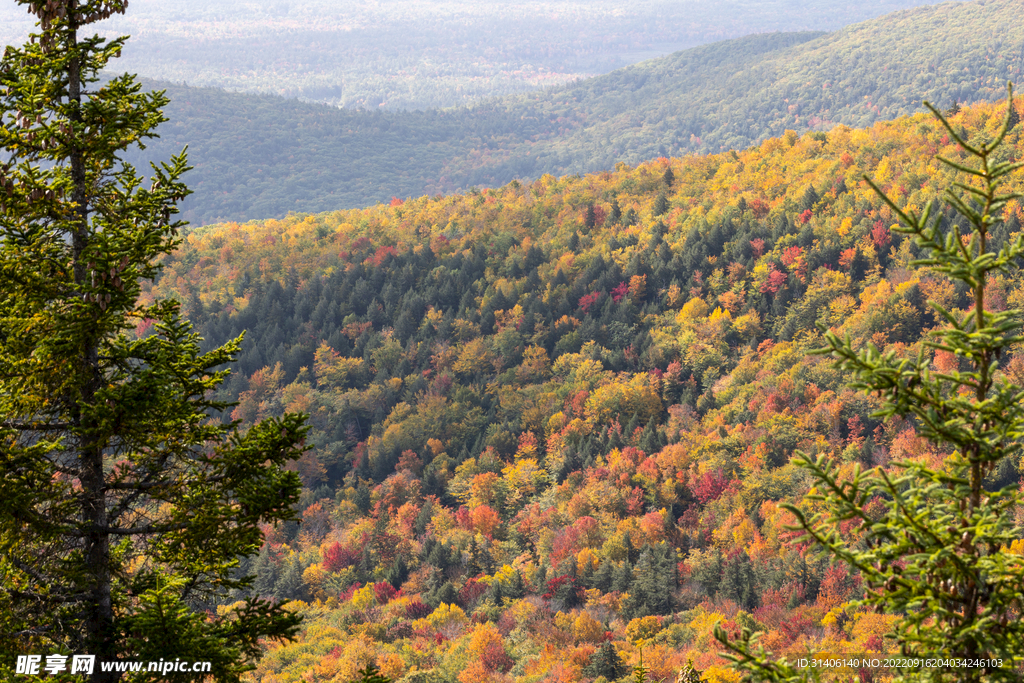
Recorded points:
(555,420)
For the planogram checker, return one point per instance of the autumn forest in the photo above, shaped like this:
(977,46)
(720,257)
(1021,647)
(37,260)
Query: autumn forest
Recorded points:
(659,375)
(553,421)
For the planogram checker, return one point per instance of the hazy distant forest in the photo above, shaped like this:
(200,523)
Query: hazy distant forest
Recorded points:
(264,156)
(435,53)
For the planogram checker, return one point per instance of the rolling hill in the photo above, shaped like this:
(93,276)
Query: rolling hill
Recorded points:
(263,156)
(397,55)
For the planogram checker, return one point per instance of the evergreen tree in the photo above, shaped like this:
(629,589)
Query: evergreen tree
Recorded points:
(622,577)
(809,199)
(435,579)
(121,504)
(362,496)
(602,578)
(265,570)
(586,453)
(515,588)
(497,593)
(632,552)
(474,566)
(606,662)
(398,572)
(423,518)
(614,440)
(488,560)
(541,577)
(939,555)
(651,592)
(574,242)
(590,220)
(688,674)
(370,674)
(631,426)
(649,442)
(738,581)
(616,213)
(289,585)
(709,574)
(661,205)
(446,594)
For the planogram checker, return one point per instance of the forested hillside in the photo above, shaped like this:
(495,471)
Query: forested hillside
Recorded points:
(259,157)
(553,422)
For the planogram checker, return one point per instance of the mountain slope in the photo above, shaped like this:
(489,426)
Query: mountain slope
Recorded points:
(733,94)
(562,413)
(261,156)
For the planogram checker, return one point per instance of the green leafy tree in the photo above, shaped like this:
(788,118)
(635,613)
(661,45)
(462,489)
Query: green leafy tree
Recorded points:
(124,506)
(939,556)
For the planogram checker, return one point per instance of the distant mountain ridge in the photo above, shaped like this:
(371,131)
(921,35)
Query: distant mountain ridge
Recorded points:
(398,55)
(262,156)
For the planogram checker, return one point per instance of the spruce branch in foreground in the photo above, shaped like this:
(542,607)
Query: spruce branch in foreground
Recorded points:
(941,555)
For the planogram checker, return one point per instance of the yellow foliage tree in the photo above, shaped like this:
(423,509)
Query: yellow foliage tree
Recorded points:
(622,399)
(641,629)
(334,371)
(587,629)
(448,620)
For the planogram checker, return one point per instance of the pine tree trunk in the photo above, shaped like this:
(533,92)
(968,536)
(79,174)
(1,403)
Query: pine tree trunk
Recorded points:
(100,616)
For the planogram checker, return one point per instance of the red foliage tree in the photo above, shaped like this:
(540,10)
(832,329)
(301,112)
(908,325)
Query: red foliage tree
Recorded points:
(709,486)
(635,501)
(471,592)
(463,518)
(759,208)
(846,258)
(416,609)
(382,254)
(776,279)
(338,557)
(565,545)
(880,235)
(795,625)
(791,255)
(588,300)
(347,594)
(494,658)
(384,592)
(620,291)
(577,403)
(485,520)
